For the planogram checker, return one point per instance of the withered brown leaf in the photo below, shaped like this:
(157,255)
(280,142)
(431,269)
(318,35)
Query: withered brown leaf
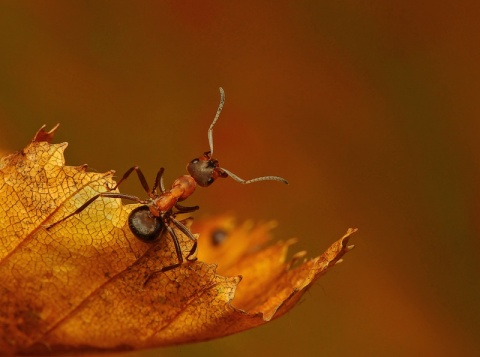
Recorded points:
(89,285)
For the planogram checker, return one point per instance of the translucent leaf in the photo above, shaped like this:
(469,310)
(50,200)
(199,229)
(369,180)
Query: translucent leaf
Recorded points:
(88,284)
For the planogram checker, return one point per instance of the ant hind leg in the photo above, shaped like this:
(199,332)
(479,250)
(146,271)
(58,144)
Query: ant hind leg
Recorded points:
(93,199)
(178,251)
(189,234)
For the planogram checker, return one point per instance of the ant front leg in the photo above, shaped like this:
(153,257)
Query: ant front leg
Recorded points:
(189,234)
(186,209)
(159,181)
(141,178)
(93,199)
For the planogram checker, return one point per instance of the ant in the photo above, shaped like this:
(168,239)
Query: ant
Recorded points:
(156,213)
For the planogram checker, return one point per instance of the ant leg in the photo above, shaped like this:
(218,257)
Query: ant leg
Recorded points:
(140,175)
(186,209)
(91,200)
(184,229)
(191,252)
(189,234)
(159,181)
(177,249)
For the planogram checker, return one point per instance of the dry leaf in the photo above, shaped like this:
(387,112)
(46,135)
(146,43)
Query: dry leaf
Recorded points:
(89,285)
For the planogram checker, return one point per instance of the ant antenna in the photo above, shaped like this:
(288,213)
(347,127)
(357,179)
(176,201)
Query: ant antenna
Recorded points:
(263,178)
(219,110)
(231,174)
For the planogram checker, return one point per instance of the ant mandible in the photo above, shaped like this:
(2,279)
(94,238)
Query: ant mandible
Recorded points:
(149,221)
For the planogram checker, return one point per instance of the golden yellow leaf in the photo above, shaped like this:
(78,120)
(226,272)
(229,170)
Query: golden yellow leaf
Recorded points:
(88,284)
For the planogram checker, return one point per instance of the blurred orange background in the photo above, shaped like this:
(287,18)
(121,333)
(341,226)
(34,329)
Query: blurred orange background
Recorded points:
(370,110)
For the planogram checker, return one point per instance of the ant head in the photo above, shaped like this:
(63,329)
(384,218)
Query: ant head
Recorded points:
(205,170)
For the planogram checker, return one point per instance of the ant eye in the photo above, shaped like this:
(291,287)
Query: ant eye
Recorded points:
(194,161)
(210,181)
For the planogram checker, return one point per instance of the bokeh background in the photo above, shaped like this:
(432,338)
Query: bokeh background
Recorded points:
(370,109)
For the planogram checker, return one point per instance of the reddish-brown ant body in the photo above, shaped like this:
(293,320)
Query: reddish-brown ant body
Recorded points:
(149,221)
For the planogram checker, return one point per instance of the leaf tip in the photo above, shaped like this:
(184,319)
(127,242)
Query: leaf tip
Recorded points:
(43,135)
(346,238)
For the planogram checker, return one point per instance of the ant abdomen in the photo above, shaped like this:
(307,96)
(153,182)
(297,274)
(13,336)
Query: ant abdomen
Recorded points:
(144,225)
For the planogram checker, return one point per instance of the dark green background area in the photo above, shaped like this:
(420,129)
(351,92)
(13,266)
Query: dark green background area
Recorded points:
(369,109)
